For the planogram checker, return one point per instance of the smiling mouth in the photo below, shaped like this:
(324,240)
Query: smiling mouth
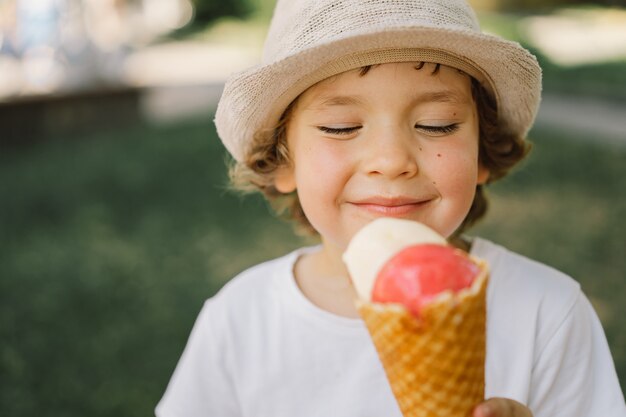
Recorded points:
(391,206)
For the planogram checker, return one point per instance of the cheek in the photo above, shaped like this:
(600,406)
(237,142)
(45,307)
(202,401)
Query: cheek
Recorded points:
(321,175)
(456,170)
(320,166)
(455,175)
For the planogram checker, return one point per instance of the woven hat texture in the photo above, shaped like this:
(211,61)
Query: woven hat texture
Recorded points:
(311,40)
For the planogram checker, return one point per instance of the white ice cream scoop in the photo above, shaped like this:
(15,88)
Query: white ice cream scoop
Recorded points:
(373,245)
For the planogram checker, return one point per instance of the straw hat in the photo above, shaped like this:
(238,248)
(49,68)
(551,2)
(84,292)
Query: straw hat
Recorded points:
(310,40)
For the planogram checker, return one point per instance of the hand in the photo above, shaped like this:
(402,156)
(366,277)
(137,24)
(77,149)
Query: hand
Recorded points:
(501,407)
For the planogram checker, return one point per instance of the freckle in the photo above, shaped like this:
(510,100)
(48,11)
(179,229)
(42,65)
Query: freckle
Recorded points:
(434,182)
(438,155)
(420,148)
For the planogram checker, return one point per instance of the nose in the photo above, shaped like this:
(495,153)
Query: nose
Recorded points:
(391,153)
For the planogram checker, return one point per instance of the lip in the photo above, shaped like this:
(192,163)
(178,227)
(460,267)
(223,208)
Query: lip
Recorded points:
(391,206)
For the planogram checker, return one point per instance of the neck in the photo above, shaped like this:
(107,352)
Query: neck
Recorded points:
(331,257)
(324,280)
(460,242)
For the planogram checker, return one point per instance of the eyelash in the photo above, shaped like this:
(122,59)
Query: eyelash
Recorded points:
(339,130)
(442,130)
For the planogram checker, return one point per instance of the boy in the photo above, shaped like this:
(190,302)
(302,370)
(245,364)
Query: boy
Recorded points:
(363,109)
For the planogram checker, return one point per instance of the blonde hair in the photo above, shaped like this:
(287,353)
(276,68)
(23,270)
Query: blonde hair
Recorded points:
(498,152)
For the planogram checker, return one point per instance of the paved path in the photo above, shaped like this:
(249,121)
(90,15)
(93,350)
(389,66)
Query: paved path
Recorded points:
(584,118)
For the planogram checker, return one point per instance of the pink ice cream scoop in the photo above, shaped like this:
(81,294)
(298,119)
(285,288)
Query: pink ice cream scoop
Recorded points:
(418,273)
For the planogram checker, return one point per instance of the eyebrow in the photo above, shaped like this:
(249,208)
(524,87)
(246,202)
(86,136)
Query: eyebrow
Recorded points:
(440,96)
(330,101)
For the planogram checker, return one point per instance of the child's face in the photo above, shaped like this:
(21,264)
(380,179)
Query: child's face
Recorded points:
(397,141)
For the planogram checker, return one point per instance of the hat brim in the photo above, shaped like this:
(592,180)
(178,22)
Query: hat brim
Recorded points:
(256,98)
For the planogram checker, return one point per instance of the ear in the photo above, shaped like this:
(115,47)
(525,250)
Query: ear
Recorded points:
(483,175)
(285,180)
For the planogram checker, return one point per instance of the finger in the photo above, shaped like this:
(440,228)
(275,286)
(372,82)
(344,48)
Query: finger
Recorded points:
(501,407)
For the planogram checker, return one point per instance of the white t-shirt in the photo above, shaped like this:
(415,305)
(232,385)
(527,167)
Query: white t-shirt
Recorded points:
(261,348)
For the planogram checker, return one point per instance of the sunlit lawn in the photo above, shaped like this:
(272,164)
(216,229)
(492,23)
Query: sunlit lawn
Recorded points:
(110,243)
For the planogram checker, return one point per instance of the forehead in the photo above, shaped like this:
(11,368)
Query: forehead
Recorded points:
(427,82)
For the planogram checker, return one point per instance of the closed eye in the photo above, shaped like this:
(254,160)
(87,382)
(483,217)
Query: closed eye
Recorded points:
(438,130)
(339,130)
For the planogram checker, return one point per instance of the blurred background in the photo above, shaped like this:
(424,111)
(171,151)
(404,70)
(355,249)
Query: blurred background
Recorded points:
(116,220)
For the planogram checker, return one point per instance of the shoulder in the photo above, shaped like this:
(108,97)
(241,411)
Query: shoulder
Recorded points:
(546,345)
(250,297)
(218,354)
(522,287)
(512,271)
(260,278)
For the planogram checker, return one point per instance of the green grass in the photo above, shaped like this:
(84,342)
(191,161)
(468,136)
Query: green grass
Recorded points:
(110,243)
(605,80)
(108,246)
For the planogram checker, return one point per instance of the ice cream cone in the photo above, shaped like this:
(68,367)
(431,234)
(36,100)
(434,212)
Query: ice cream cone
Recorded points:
(435,362)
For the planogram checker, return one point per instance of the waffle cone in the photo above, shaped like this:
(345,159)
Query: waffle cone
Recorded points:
(434,363)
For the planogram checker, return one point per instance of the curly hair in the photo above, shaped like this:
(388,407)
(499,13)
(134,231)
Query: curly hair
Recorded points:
(498,152)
